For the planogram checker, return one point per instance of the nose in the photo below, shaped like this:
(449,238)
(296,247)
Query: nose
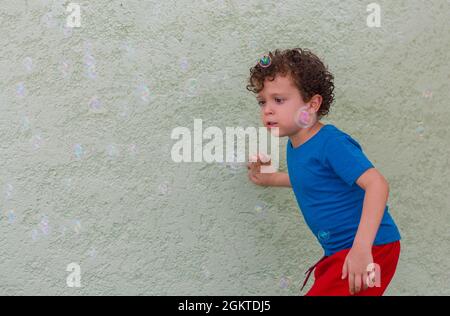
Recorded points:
(268,110)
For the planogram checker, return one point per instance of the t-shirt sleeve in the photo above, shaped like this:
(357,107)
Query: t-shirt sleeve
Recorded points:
(346,158)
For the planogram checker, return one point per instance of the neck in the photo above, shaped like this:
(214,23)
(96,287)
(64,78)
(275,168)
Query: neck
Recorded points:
(304,134)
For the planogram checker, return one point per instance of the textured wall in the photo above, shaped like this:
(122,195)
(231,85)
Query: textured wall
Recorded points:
(86,116)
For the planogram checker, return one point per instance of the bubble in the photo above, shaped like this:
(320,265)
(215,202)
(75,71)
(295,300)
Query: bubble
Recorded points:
(44,226)
(261,209)
(77,226)
(9,189)
(285,282)
(253,44)
(428,94)
(20,89)
(78,151)
(91,73)
(323,235)
(206,273)
(124,111)
(129,50)
(64,68)
(163,188)
(304,118)
(234,166)
(92,252)
(28,64)
(11,217)
(112,150)
(184,64)
(25,123)
(95,105)
(420,130)
(143,93)
(36,141)
(67,31)
(89,62)
(67,182)
(34,234)
(191,87)
(133,149)
(62,230)
(48,20)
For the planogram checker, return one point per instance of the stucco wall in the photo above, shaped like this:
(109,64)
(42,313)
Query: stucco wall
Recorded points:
(86,116)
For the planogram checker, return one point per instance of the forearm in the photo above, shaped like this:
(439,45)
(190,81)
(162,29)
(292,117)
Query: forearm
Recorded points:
(281,179)
(375,200)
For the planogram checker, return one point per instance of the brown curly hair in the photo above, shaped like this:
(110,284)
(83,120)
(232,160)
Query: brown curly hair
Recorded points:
(307,71)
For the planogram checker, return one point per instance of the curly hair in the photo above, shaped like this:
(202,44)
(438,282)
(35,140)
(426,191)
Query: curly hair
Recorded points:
(307,71)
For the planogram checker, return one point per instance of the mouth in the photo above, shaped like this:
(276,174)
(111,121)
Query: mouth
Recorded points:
(271,124)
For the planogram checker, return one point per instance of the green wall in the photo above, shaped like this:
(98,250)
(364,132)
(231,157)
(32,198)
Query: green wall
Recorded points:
(86,116)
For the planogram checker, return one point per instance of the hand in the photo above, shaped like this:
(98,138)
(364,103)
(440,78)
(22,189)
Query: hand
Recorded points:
(355,268)
(255,175)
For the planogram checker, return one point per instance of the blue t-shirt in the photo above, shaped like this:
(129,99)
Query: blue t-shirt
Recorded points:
(323,173)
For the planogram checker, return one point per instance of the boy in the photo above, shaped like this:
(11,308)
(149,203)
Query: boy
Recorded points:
(340,193)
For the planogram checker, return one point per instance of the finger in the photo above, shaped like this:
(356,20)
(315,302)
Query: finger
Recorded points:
(351,283)
(255,168)
(264,159)
(365,280)
(253,158)
(344,270)
(357,283)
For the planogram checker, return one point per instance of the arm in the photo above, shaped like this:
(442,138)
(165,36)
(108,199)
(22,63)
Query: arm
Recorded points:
(360,256)
(375,199)
(275,179)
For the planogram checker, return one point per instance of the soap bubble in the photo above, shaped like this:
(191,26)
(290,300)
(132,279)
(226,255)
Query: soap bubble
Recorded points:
(143,93)
(78,151)
(206,273)
(64,68)
(184,64)
(92,252)
(191,87)
(25,123)
(163,188)
(34,234)
(323,235)
(133,149)
(304,118)
(234,166)
(67,31)
(124,111)
(28,63)
(285,282)
(77,226)
(91,72)
(128,49)
(20,89)
(36,141)
(95,105)
(9,189)
(420,129)
(428,94)
(11,217)
(112,150)
(48,20)
(261,209)
(44,226)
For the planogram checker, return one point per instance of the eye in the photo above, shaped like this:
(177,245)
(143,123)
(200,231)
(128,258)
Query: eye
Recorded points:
(261,103)
(279,100)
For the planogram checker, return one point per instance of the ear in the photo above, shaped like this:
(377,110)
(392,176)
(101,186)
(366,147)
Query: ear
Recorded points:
(315,102)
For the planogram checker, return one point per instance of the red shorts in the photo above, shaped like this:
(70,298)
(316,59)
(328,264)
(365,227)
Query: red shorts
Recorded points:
(328,272)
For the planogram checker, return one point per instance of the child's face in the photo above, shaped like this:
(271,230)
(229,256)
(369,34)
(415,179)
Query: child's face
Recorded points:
(280,101)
